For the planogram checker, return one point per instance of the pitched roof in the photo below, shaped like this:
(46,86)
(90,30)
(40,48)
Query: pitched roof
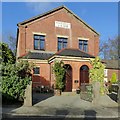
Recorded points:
(64,52)
(112,64)
(51,11)
(37,55)
(74,53)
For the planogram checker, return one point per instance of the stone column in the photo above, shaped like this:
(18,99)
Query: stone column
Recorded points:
(28,95)
(75,76)
(96,93)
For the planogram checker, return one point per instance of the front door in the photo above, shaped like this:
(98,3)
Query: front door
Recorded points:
(84,75)
(68,79)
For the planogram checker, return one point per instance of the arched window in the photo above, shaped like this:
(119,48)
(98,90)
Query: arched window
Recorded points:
(84,67)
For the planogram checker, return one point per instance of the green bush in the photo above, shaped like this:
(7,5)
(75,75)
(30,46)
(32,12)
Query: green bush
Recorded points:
(59,72)
(114,78)
(15,78)
(96,74)
(15,75)
(97,71)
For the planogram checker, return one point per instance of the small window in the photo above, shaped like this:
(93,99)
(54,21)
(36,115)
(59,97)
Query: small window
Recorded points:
(36,70)
(39,42)
(83,45)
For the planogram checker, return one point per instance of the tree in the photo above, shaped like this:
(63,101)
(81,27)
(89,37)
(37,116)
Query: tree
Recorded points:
(7,55)
(109,49)
(12,43)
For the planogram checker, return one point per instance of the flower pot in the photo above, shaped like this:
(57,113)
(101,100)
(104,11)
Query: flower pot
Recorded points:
(77,91)
(57,92)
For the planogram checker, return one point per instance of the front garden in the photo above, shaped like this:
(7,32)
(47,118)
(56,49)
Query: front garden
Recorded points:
(95,89)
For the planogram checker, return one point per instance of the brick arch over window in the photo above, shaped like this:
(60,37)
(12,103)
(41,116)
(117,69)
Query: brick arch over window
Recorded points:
(84,74)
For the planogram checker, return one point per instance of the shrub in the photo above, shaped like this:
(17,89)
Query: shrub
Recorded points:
(59,72)
(114,78)
(15,78)
(97,73)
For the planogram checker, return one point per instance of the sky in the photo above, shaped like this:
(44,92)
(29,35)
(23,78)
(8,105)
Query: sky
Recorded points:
(101,16)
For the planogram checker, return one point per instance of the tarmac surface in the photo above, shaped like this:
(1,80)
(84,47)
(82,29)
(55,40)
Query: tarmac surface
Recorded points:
(64,107)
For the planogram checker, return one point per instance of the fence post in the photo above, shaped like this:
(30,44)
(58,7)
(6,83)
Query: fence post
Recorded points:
(28,95)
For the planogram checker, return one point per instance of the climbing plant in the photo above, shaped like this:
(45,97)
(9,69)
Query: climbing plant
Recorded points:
(96,74)
(59,72)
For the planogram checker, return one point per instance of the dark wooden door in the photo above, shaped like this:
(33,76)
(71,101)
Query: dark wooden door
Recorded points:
(84,75)
(68,81)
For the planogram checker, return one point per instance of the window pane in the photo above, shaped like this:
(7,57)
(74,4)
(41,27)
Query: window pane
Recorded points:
(80,44)
(36,70)
(36,44)
(85,48)
(59,39)
(80,41)
(65,45)
(83,45)
(59,45)
(80,47)
(62,43)
(84,67)
(42,37)
(42,44)
(36,37)
(39,42)
(65,40)
(85,42)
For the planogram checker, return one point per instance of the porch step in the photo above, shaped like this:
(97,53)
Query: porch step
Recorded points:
(68,93)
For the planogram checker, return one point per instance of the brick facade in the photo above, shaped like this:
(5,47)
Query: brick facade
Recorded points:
(112,66)
(45,25)
(110,73)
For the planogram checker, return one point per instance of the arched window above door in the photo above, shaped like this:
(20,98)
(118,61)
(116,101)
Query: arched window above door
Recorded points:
(84,67)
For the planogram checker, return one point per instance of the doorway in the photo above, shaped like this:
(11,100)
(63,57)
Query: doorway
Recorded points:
(68,78)
(84,75)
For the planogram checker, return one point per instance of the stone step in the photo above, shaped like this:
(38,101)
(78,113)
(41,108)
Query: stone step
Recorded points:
(68,93)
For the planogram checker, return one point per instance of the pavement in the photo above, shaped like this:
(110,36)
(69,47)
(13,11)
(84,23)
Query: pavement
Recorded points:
(66,106)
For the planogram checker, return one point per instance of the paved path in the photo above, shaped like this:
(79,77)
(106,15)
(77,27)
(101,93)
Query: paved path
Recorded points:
(63,106)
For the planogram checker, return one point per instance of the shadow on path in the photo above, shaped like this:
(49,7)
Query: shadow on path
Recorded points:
(113,96)
(62,112)
(90,115)
(38,97)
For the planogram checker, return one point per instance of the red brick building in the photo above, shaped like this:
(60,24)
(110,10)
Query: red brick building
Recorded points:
(112,66)
(58,35)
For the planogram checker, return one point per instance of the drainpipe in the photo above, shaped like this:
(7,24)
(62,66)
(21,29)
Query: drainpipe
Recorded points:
(50,74)
(25,38)
(70,33)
